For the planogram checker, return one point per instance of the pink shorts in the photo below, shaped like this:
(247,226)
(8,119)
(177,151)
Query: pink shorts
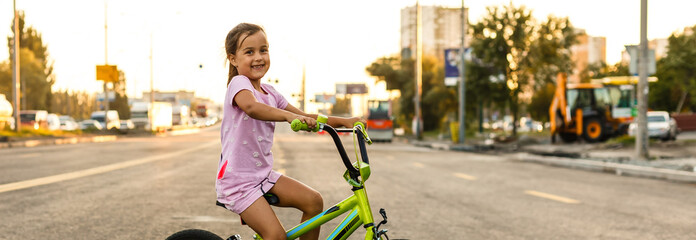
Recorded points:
(242,194)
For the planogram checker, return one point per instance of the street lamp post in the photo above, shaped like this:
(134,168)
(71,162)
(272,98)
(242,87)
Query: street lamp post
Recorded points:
(462,84)
(15,68)
(106,63)
(642,134)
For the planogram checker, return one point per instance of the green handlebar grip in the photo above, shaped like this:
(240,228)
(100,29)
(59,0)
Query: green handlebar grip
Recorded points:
(297,125)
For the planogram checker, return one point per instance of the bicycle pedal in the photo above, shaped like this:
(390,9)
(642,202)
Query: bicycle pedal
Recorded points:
(235,237)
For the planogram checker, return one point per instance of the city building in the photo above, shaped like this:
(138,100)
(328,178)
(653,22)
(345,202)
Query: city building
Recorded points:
(181,97)
(441,29)
(589,50)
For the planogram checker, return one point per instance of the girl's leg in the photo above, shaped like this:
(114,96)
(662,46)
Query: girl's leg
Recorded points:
(293,193)
(261,218)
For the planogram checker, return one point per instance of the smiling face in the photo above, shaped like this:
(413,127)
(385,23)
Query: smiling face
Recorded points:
(251,58)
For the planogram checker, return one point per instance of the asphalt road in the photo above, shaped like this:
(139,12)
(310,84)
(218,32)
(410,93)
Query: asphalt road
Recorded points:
(149,188)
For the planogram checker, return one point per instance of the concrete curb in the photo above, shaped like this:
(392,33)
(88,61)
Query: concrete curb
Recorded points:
(592,165)
(616,168)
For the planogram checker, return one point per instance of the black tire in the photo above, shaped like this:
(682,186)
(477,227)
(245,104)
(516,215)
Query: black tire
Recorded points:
(194,234)
(593,130)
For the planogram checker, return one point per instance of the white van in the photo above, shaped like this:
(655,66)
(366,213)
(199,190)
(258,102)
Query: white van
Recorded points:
(110,122)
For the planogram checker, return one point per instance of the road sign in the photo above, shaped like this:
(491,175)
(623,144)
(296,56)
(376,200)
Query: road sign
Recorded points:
(351,88)
(325,98)
(107,73)
(452,59)
(633,65)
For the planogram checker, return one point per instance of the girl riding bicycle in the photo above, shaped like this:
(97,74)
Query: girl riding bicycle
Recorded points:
(250,111)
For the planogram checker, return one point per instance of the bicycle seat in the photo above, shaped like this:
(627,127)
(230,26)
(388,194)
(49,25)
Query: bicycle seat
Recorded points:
(271,198)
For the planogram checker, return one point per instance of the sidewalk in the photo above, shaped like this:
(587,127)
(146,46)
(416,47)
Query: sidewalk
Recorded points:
(674,161)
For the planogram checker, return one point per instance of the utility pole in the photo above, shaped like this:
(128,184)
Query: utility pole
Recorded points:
(15,68)
(106,63)
(419,74)
(642,135)
(302,91)
(462,83)
(152,90)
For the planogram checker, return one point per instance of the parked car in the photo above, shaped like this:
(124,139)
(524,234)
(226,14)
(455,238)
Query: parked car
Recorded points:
(67,123)
(53,122)
(660,125)
(126,125)
(109,120)
(90,124)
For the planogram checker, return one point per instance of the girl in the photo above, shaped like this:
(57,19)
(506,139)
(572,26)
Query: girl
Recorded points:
(250,111)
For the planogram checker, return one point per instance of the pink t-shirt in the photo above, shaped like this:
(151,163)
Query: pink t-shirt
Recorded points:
(245,169)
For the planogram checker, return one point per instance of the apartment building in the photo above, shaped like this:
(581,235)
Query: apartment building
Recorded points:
(441,29)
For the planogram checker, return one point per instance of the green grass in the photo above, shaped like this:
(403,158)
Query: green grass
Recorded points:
(28,133)
(623,140)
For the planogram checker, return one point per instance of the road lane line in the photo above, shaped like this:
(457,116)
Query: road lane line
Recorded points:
(97,170)
(552,197)
(465,176)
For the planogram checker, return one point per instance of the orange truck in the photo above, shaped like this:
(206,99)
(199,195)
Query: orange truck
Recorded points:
(380,123)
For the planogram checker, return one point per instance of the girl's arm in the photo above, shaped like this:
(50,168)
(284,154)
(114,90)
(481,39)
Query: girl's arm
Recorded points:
(248,103)
(332,121)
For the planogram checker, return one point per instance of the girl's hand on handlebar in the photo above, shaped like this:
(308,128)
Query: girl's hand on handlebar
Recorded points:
(311,122)
(350,122)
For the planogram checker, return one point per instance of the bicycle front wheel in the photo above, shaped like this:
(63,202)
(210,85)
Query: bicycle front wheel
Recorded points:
(194,234)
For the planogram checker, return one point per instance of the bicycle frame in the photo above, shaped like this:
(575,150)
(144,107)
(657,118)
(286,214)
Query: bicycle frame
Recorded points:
(360,212)
(357,204)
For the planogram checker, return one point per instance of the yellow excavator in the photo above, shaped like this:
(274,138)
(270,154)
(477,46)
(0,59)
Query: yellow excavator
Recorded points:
(582,111)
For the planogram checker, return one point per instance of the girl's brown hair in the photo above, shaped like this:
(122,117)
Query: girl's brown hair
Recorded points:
(232,43)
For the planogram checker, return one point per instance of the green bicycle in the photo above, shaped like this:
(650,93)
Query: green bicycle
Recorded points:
(357,205)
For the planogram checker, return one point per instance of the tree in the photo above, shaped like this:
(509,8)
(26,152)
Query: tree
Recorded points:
(120,102)
(342,107)
(399,74)
(539,106)
(550,54)
(36,72)
(676,88)
(550,50)
(503,39)
(78,105)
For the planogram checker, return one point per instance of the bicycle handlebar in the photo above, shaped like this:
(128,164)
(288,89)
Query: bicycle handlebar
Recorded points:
(358,128)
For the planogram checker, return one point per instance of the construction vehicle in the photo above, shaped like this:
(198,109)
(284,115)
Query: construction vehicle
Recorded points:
(582,111)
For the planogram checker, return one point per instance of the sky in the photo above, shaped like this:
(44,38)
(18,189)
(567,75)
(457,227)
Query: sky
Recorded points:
(333,41)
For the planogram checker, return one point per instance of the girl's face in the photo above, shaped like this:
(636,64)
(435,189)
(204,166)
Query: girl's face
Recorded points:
(251,58)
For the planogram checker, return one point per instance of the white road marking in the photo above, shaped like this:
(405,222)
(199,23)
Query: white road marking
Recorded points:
(552,197)
(97,170)
(465,176)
